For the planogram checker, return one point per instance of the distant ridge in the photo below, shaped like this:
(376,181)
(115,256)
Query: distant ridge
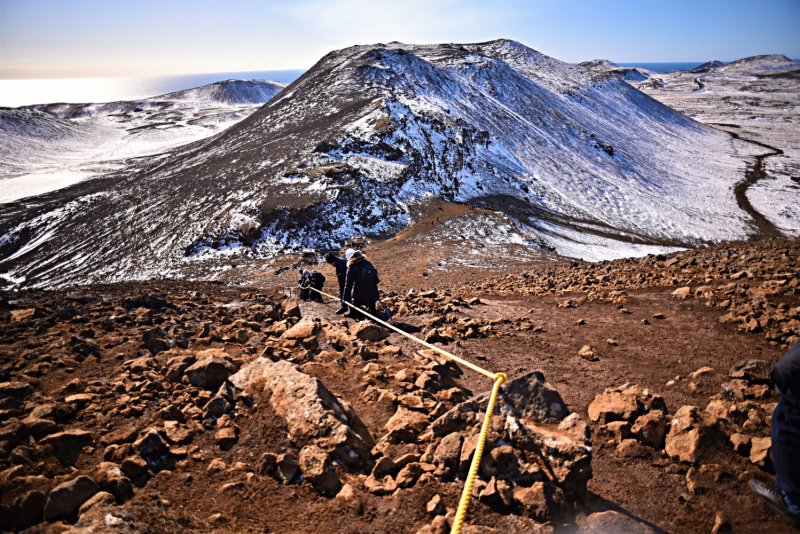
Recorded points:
(228,92)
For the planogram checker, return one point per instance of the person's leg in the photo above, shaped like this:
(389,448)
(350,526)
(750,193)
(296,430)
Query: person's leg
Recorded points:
(784,495)
(343,307)
(785,447)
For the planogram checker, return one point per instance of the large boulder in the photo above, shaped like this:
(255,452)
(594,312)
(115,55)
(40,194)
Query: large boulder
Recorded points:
(156,340)
(317,468)
(177,365)
(110,478)
(67,445)
(614,522)
(27,509)
(528,396)
(651,429)
(312,413)
(18,390)
(210,372)
(613,406)
(66,498)
(150,444)
(751,370)
(542,501)
(406,424)
(303,329)
(531,422)
(101,514)
(39,428)
(447,456)
(290,308)
(693,430)
(367,331)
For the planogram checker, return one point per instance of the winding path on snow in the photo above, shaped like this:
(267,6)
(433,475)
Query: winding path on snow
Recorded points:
(752,175)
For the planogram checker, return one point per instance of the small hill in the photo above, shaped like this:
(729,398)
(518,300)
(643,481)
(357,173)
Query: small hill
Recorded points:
(707,66)
(228,92)
(599,63)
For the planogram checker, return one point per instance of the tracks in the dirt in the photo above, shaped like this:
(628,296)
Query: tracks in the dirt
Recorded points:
(752,175)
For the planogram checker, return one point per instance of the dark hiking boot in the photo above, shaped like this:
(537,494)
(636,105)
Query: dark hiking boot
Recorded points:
(775,498)
(341,310)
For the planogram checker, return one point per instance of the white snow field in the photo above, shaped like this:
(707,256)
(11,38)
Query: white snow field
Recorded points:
(756,99)
(593,167)
(48,147)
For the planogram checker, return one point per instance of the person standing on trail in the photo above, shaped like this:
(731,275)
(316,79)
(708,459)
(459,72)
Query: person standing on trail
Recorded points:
(784,495)
(340,264)
(361,283)
(304,283)
(317,282)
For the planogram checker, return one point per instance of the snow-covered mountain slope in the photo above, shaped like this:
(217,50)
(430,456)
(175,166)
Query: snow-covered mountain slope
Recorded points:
(586,160)
(757,99)
(770,62)
(46,147)
(231,92)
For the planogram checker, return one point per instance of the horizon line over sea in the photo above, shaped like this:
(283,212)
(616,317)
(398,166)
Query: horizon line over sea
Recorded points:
(664,67)
(28,92)
(16,93)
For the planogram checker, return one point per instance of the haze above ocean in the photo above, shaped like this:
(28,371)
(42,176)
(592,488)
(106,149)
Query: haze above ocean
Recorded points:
(15,93)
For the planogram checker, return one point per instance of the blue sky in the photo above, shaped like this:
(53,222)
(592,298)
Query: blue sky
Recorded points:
(80,38)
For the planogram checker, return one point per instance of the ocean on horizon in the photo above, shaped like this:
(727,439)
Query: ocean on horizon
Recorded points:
(663,68)
(15,93)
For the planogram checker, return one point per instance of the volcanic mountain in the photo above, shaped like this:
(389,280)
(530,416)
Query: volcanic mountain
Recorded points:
(47,146)
(592,166)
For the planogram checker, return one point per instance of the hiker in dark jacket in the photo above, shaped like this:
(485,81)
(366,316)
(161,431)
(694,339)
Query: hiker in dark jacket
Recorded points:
(317,282)
(784,495)
(340,264)
(356,289)
(304,283)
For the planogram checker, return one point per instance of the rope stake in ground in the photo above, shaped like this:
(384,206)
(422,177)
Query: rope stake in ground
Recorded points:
(498,378)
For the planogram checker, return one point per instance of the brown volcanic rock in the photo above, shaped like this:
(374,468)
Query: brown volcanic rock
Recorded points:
(67,445)
(150,444)
(66,498)
(210,371)
(693,432)
(613,406)
(110,478)
(305,328)
(311,411)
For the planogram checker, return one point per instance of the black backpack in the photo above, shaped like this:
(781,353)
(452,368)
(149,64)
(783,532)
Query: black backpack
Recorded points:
(369,275)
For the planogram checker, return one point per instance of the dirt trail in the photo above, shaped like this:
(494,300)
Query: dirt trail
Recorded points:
(753,174)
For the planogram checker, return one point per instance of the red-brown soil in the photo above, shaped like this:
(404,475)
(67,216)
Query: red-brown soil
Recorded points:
(184,496)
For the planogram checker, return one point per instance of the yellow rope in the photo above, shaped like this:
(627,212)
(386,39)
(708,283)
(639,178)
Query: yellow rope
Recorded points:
(498,378)
(432,347)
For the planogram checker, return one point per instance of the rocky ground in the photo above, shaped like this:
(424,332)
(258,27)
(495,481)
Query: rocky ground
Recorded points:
(637,402)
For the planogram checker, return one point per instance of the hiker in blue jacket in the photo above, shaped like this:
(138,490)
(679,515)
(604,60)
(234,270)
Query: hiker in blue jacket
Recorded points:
(784,495)
(361,283)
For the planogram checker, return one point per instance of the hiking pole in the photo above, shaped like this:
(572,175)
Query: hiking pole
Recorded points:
(387,311)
